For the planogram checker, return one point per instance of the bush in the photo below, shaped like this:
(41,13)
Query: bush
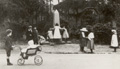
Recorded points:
(102,33)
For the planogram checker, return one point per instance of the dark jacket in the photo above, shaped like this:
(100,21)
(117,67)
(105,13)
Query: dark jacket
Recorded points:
(8,43)
(83,41)
(35,35)
(29,35)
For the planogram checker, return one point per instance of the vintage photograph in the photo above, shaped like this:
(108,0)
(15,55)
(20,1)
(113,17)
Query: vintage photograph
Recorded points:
(59,34)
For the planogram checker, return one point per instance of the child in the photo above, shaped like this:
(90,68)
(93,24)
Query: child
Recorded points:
(50,35)
(65,34)
(41,39)
(8,45)
(90,37)
(35,35)
(114,40)
(91,41)
(29,33)
(82,39)
(57,35)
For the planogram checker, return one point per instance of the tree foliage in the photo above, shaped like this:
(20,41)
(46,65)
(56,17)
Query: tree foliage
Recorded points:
(18,14)
(98,13)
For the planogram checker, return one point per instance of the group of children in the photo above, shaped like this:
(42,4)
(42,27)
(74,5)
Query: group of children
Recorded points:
(32,34)
(86,39)
(58,33)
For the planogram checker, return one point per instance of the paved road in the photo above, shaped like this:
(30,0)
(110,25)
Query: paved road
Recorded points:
(67,61)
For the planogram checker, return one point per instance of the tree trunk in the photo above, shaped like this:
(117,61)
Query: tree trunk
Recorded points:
(30,20)
(50,6)
(76,17)
(36,18)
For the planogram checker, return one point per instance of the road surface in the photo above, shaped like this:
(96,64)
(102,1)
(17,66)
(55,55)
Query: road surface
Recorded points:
(66,61)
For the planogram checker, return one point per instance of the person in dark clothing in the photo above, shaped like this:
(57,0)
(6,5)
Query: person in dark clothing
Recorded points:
(83,40)
(35,35)
(8,45)
(29,34)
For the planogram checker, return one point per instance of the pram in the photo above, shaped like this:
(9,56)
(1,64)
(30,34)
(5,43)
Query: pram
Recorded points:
(30,51)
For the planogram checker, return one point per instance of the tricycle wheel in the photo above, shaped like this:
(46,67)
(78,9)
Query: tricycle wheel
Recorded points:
(38,60)
(20,61)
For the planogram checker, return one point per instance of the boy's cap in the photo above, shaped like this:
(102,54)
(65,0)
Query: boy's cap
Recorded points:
(8,31)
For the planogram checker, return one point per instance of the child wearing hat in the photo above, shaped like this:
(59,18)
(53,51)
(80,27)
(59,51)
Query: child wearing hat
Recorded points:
(114,40)
(29,33)
(8,45)
(83,40)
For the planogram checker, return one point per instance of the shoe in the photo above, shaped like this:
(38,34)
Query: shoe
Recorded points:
(114,51)
(81,50)
(84,51)
(9,64)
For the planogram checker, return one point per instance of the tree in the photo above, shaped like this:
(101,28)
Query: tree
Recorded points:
(76,9)
(26,9)
(91,12)
(21,13)
(105,9)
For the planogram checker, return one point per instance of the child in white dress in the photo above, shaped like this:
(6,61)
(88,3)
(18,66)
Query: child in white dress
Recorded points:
(90,44)
(65,34)
(50,35)
(57,34)
(114,40)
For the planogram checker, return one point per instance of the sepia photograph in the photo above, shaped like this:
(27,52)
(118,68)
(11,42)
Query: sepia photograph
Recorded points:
(60,34)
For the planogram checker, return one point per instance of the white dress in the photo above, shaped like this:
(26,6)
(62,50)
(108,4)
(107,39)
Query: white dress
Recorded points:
(65,33)
(57,34)
(114,40)
(90,44)
(50,34)
(42,39)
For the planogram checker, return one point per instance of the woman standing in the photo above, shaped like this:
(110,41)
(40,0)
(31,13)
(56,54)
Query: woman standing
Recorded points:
(114,40)
(90,37)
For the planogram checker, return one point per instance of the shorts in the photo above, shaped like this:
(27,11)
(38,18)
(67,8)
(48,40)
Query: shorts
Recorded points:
(8,52)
